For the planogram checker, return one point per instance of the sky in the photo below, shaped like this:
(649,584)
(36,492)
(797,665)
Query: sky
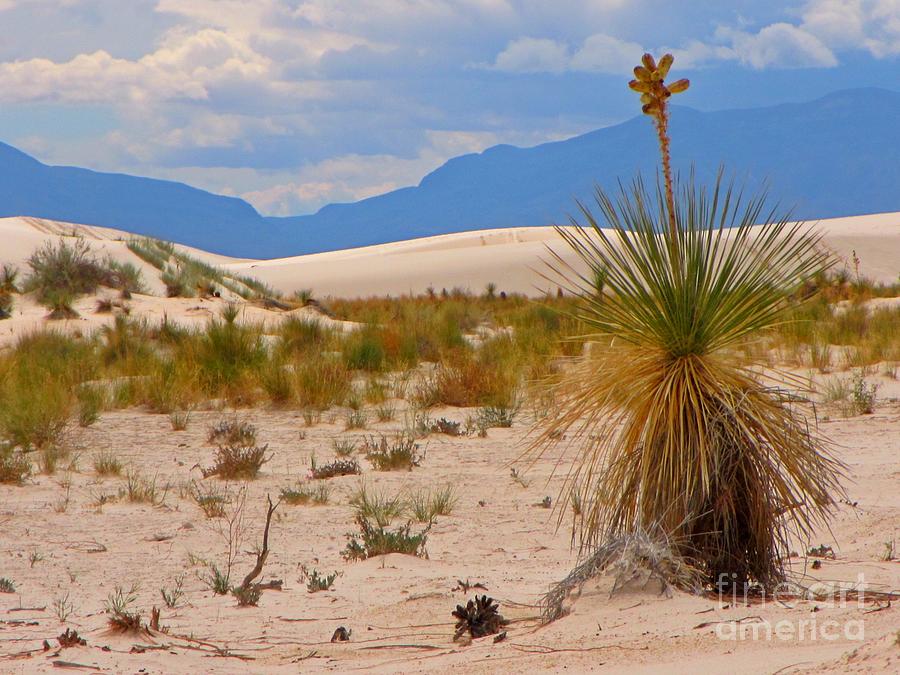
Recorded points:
(292,104)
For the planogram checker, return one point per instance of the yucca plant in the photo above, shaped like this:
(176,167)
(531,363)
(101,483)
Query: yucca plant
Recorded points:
(675,429)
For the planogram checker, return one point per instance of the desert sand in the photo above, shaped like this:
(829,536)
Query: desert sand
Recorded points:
(513,259)
(64,542)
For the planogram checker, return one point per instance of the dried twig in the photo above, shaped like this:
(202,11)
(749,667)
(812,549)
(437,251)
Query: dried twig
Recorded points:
(264,552)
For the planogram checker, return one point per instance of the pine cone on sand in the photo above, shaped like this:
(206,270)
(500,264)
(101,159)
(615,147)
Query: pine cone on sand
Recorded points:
(478,618)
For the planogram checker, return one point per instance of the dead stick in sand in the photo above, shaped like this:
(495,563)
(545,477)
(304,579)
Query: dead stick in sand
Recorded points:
(264,553)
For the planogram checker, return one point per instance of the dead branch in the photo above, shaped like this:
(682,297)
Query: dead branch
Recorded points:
(264,552)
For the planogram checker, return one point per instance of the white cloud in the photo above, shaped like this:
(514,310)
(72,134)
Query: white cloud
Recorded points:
(533,55)
(853,24)
(185,66)
(606,54)
(779,45)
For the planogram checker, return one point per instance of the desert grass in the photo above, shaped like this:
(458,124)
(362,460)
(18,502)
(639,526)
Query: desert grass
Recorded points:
(399,453)
(426,505)
(374,540)
(303,494)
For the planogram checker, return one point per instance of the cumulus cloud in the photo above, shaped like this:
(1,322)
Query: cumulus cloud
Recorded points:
(533,55)
(779,45)
(184,67)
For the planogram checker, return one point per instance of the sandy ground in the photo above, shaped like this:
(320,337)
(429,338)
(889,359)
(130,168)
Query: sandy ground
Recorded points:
(60,546)
(57,542)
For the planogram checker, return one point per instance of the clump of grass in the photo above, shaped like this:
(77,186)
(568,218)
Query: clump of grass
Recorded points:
(374,540)
(7,586)
(305,494)
(232,432)
(219,581)
(107,464)
(179,419)
(15,466)
(401,453)
(426,505)
(321,383)
(172,596)
(496,416)
(377,506)
(364,350)
(238,462)
(298,335)
(91,401)
(61,272)
(423,425)
(141,490)
(119,607)
(357,419)
(385,412)
(344,447)
(339,467)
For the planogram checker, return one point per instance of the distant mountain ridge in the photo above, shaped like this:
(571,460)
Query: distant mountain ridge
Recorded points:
(836,156)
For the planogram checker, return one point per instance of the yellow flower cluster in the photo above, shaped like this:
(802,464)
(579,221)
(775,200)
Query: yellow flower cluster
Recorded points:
(650,84)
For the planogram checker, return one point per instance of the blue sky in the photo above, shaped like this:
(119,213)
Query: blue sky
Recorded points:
(292,104)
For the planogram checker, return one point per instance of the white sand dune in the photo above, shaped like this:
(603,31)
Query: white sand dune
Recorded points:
(512,258)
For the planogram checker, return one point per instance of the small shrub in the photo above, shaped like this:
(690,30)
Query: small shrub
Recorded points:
(247,596)
(15,466)
(375,540)
(339,467)
(403,453)
(232,432)
(7,586)
(238,462)
(496,416)
(863,395)
(316,582)
(6,305)
(303,494)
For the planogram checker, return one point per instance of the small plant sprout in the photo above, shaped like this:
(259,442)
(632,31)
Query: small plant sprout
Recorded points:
(171,596)
(119,605)
(316,581)
(63,608)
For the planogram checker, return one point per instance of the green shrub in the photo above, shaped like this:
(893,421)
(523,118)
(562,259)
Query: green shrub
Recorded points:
(373,540)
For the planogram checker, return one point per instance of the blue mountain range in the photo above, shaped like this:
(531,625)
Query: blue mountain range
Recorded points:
(835,156)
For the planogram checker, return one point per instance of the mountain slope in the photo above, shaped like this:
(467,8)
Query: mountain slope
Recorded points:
(163,209)
(832,157)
